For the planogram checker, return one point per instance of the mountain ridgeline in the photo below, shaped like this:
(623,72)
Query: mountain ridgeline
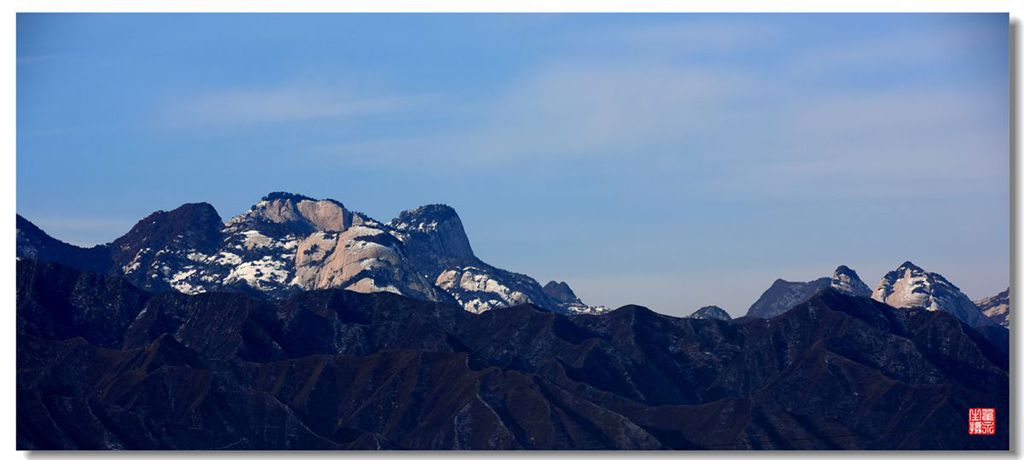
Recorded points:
(301,324)
(105,364)
(783,295)
(287,243)
(907,286)
(997,308)
(711,312)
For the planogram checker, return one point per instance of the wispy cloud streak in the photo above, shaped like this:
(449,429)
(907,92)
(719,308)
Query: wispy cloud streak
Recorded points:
(236,107)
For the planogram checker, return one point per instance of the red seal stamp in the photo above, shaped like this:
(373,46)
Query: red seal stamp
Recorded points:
(981,421)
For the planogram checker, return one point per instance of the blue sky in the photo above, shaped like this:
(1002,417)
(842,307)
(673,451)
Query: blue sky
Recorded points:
(672,160)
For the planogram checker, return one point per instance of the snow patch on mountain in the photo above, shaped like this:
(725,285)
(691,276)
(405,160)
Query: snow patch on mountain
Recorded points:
(910,286)
(478,290)
(580,309)
(437,246)
(288,242)
(845,280)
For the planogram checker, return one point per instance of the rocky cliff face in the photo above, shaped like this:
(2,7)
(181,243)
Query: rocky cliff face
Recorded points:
(910,286)
(438,248)
(561,293)
(845,280)
(997,308)
(434,237)
(288,243)
(105,365)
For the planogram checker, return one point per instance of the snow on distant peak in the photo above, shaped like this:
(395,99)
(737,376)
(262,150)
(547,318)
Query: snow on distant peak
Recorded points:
(588,309)
(845,280)
(288,242)
(910,286)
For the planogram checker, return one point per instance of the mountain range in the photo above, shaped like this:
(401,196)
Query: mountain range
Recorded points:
(783,295)
(300,324)
(907,286)
(105,364)
(288,243)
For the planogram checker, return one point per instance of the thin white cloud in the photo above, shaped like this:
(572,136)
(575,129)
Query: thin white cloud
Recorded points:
(282,104)
(767,132)
(574,111)
(765,135)
(586,109)
(886,51)
(878,143)
(681,39)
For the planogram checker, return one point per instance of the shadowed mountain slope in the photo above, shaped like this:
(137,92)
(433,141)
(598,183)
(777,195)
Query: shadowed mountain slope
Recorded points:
(104,365)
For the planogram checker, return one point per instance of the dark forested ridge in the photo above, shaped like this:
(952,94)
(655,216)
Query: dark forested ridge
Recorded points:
(105,365)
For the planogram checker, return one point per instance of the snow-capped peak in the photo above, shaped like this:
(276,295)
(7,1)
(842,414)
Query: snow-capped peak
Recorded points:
(288,242)
(435,236)
(910,286)
(845,280)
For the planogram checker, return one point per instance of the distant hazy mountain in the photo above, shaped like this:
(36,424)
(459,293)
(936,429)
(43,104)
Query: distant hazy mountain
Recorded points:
(561,293)
(910,286)
(783,295)
(997,308)
(288,243)
(711,312)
